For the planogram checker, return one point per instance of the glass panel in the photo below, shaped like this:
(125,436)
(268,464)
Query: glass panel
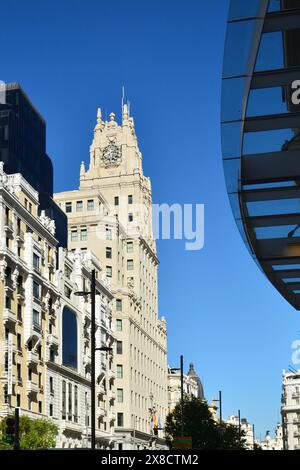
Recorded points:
(280,231)
(296,291)
(235,205)
(231,139)
(267,141)
(277,5)
(239,9)
(69,338)
(232,99)
(277,206)
(238,43)
(281,184)
(292,279)
(270,54)
(281,267)
(232,174)
(267,101)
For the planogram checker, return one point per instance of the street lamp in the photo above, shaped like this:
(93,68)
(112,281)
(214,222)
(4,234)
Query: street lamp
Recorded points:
(93,293)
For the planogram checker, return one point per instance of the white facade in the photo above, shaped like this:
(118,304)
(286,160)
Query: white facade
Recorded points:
(111,214)
(37,286)
(275,443)
(246,427)
(290,410)
(191,386)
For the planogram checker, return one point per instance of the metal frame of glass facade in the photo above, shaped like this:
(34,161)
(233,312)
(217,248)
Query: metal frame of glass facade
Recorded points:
(261,134)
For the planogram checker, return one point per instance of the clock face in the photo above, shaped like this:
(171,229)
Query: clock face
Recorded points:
(111,155)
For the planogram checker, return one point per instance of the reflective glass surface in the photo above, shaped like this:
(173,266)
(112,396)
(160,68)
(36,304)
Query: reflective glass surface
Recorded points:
(270,54)
(279,231)
(281,184)
(285,267)
(231,139)
(232,173)
(240,9)
(69,338)
(232,99)
(277,206)
(237,48)
(277,5)
(265,101)
(267,141)
(291,279)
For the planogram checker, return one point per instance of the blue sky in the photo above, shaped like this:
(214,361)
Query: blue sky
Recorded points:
(73,56)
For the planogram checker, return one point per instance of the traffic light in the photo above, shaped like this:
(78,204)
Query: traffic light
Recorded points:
(155,431)
(10,430)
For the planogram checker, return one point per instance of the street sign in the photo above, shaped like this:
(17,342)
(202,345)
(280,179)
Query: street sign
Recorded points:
(184,442)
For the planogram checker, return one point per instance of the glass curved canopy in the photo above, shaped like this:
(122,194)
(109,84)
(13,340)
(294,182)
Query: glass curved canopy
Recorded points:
(261,134)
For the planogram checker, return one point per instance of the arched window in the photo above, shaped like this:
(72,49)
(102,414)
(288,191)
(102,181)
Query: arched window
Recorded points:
(69,328)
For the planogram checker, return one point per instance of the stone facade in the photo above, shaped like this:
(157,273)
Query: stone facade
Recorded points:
(290,410)
(110,214)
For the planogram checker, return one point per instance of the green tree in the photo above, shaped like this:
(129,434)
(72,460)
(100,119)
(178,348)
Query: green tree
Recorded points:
(34,434)
(198,423)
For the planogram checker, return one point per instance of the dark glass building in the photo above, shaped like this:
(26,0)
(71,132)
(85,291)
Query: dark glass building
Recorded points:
(23,150)
(261,134)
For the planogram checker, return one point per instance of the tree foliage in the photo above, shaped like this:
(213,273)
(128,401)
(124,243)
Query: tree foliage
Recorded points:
(206,433)
(34,434)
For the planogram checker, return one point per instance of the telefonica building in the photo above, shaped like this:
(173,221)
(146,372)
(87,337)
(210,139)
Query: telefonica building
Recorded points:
(261,135)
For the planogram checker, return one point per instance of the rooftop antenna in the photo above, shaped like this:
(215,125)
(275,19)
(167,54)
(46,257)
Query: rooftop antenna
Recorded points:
(128,104)
(123,96)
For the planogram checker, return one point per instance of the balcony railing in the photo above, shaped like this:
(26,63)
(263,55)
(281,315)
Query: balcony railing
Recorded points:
(31,386)
(9,316)
(32,357)
(8,224)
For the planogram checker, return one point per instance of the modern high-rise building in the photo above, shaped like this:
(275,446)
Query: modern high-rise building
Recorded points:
(23,150)
(111,214)
(261,134)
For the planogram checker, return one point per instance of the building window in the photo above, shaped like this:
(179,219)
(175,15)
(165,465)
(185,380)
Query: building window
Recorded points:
(50,409)
(129,247)
(119,371)
(68,207)
(108,233)
(129,264)
(130,199)
(79,206)
(120,419)
(83,234)
(19,342)
(68,292)
(69,335)
(108,271)
(36,317)
(63,404)
(19,312)
(36,290)
(108,252)
(74,236)
(116,200)
(120,395)
(75,403)
(19,372)
(51,385)
(119,325)
(119,305)
(18,400)
(36,262)
(70,403)
(130,217)
(7,302)
(90,205)
(40,407)
(119,347)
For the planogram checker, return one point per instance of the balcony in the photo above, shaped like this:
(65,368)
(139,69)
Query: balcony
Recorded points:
(100,411)
(51,261)
(111,395)
(32,357)
(52,340)
(111,374)
(297,433)
(8,225)
(37,269)
(112,416)
(20,235)
(296,395)
(20,292)
(9,316)
(296,420)
(86,359)
(100,389)
(31,387)
(71,426)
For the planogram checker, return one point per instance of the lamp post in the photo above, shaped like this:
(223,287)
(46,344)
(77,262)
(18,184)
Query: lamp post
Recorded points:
(181,393)
(93,293)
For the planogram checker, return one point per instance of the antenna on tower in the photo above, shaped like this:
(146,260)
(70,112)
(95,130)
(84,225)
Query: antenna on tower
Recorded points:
(123,96)
(128,104)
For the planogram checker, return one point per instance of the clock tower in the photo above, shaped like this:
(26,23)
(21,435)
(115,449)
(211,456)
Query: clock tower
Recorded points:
(111,214)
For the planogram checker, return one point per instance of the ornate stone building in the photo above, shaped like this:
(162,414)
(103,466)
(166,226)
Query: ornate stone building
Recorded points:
(192,386)
(290,410)
(111,214)
(45,328)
